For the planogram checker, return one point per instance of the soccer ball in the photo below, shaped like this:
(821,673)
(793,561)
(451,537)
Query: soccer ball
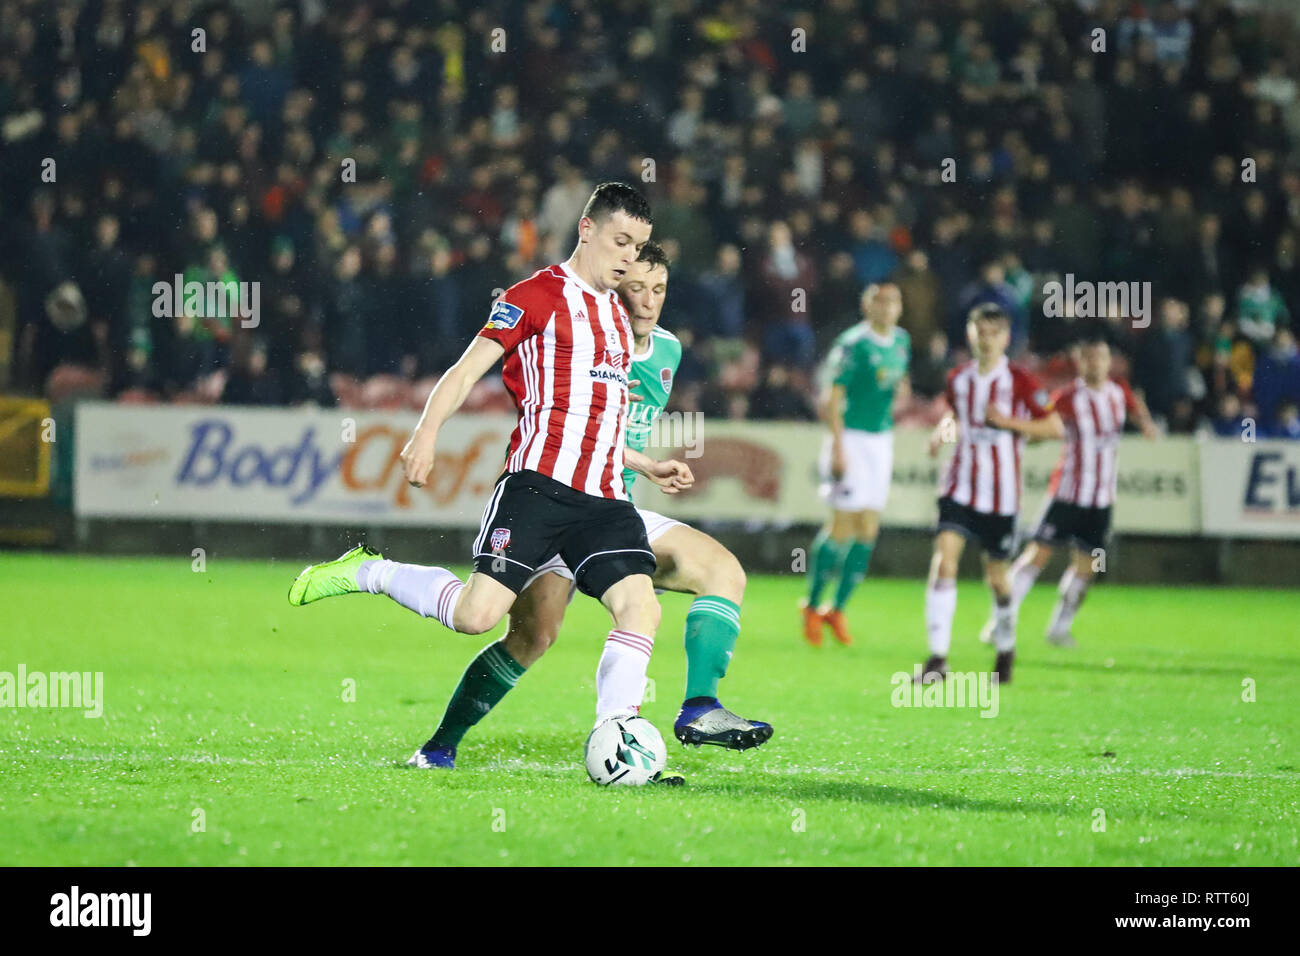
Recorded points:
(627,751)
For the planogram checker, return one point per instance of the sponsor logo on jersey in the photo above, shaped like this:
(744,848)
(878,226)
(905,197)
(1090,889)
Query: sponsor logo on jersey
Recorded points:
(504,315)
(607,373)
(666,379)
(500,538)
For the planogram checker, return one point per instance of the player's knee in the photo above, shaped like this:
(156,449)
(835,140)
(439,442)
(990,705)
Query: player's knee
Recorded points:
(475,619)
(639,614)
(725,578)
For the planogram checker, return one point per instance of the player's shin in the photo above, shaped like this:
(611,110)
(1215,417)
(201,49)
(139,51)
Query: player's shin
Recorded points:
(940,606)
(621,673)
(824,561)
(1071,592)
(856,561)
(486,680)
(712,626)
(428,591)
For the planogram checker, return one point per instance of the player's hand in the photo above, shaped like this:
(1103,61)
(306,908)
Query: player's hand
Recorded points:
(417,459)
(672,476)
(837,461)
(631,395)
(1149,430)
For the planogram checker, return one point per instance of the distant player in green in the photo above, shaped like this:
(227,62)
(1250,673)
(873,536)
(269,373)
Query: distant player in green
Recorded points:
(861,377)
(687,560)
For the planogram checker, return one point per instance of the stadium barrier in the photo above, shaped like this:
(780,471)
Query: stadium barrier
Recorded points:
(300,482)
(303,465)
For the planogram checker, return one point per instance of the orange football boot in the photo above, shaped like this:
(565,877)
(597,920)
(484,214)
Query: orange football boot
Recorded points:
(812,624)
(839,626)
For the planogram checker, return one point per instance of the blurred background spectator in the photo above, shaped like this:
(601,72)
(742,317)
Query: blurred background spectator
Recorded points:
(382,171)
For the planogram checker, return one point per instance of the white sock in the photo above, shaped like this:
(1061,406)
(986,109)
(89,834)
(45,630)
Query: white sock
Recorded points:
(1071,590)
(1004,627)
(940,606)
(428,591)
(1022,581)
(620,675)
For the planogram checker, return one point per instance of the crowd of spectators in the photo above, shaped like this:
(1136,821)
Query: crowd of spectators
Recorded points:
(382,168)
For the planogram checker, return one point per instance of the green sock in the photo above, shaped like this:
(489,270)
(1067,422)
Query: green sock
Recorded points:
(484,683)
(856,561)
(712,626)
(822,566)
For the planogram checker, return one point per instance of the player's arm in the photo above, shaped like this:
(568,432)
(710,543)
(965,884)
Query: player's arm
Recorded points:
(948,428)
(671,476)
(832,412)
(447,396)
(1137,407)
(1044,420)
(1048,426)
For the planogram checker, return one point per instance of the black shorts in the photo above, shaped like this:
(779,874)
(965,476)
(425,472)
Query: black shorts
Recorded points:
(996,534)
(1085,528)
(531,518)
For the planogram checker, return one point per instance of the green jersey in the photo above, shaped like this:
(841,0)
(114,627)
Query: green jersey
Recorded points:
(870,368)
(654,369)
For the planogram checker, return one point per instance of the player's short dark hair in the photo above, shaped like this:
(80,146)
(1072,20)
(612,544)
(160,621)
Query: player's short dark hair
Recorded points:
(988,312)
(654,254)
(1092,333)
(609,198)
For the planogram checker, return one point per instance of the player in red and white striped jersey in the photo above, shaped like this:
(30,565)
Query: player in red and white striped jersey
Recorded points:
(994,406)
(566,340)
(1094,409)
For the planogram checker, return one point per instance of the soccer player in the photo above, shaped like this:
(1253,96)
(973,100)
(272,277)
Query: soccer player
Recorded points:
(865,366)
(566,340)
(687,560)
(993,405)
(1094,408)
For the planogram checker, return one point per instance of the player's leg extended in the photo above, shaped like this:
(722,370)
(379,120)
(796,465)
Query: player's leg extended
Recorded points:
(534,623)
(941,603)
(621,672)
(693,562)
(1071,592)
(997,573)
(470,607)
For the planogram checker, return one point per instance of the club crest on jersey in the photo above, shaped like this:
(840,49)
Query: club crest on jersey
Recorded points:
(500,538)
(666,379)
(504,315)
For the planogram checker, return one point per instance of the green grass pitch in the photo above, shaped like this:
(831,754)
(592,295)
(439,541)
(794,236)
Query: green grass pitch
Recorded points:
(224,706)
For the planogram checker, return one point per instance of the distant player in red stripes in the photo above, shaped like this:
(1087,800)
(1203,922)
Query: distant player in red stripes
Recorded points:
(1094,408)
(566,341)
(994,405)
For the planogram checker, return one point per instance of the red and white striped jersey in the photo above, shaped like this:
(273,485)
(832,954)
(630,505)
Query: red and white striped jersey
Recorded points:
(568,354)
(984,473)
(1094,419)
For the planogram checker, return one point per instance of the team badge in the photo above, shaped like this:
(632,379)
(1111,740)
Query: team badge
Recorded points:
(666,379)
(504,315)
(500,538)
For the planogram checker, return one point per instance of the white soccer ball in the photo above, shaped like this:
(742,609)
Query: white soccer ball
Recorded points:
(627,751)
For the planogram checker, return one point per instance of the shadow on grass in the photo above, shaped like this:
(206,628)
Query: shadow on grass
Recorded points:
(862,792)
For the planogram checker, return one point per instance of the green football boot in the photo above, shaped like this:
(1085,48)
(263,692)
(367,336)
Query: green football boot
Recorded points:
(332,578)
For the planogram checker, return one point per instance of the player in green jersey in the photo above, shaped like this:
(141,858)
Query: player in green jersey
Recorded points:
(862,374)
(687,560)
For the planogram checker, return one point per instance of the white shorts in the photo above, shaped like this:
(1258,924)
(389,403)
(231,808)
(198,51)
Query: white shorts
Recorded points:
(656,525)
(868,467)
